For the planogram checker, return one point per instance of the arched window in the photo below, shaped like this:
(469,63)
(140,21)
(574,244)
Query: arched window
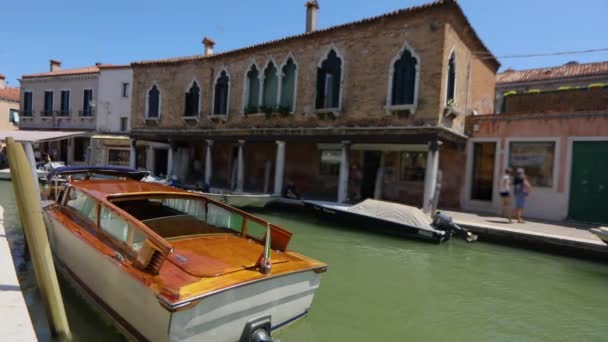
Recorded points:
(153,102)
(220,98)
(451,80)
(288,86)
(328,82)
(404,79)
(252,89)
(271,86)
(193,95)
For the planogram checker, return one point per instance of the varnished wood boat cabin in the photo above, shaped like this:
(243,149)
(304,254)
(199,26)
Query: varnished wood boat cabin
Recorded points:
(167,264)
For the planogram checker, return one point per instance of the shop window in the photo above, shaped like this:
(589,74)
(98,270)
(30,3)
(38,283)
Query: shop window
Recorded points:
(13,116)
(141,161)
(536,158)
(330,162)
(404,77)
(252,89)
(153,103)
(48,103)
(65,103)
(125,90)
(27,103)
(220,99)
(451,81)
(328,82)
(288,86)
(413,166)
(81,147)
(118,157)
(271,86)
(124,124)
(87,101)
(192,101)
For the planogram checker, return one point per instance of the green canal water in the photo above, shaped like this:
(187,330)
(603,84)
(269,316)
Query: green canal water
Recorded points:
(381,288)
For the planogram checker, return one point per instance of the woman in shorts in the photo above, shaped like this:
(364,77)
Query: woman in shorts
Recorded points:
(505,194)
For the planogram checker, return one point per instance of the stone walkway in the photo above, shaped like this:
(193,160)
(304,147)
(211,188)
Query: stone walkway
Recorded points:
(15,324)
(564,235)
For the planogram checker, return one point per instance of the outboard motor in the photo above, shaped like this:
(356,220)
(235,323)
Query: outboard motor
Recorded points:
(444,222)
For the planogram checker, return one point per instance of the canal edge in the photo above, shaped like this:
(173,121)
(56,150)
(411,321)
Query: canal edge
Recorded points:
(551,243)
(16,324)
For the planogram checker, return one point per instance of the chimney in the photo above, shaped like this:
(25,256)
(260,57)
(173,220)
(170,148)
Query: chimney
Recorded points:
(55,65)
(2,81)
(312,7)
(208,43)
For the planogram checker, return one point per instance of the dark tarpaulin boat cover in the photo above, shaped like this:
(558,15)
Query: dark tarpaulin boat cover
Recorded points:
(394,212)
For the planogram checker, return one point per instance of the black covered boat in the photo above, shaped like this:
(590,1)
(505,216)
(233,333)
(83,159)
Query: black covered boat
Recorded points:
(393,218)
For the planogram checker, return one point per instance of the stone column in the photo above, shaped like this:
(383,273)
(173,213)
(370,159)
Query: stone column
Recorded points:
(344,169)
(208,161)
(240,167)
(170,161)
(379,178)
(279,170)
(29,154)
(133,154)
(430,177)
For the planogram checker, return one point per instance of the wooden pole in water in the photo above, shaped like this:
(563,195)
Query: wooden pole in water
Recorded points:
(30,211)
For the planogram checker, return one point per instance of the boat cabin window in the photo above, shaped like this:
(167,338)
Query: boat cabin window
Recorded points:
(174,217)
(82,204)
(120,229)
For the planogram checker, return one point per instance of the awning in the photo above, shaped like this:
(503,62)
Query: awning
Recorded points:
(38,136)
(111,137)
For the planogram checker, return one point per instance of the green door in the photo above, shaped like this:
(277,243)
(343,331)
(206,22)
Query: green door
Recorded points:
(589,182)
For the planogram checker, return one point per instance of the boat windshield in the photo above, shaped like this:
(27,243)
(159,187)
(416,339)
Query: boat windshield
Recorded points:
(172,216)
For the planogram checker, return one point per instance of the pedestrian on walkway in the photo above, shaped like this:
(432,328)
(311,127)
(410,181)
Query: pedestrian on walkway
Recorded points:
(521,190)
(505,194)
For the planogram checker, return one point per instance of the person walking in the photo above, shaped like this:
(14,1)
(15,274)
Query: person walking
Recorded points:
(521,190)
(505,194)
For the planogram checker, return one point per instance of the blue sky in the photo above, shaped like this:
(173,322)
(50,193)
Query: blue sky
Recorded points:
(121,31)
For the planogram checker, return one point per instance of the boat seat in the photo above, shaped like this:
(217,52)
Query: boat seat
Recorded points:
(180,225)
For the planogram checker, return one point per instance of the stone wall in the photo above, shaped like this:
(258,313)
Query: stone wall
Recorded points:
(558,101)
(366,50)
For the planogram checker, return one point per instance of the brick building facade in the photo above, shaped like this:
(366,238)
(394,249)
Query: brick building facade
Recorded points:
(554,125)
(347,109)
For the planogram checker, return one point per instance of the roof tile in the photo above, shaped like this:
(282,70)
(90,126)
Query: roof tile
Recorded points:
(570,70)
(9,94)
(409,10)
(65,72)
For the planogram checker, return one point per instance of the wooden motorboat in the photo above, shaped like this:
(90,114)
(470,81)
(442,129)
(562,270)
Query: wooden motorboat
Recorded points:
(601,232)
(5,174)
(240,200)
(392,218)
(167,264)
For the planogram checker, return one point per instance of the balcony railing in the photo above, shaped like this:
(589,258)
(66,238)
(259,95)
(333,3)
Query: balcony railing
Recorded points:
(46,113)
(86,112)
(64,112)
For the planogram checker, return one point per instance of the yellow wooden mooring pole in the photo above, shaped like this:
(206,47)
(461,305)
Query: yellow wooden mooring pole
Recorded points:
(30,212)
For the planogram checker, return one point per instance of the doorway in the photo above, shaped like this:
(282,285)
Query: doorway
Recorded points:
(482,185)
(63,151)
(161,158)
(371,163)
(589,182)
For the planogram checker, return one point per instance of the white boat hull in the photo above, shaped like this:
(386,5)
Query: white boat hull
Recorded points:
(601,232)
(5,174)
(221,316)
(242,200)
